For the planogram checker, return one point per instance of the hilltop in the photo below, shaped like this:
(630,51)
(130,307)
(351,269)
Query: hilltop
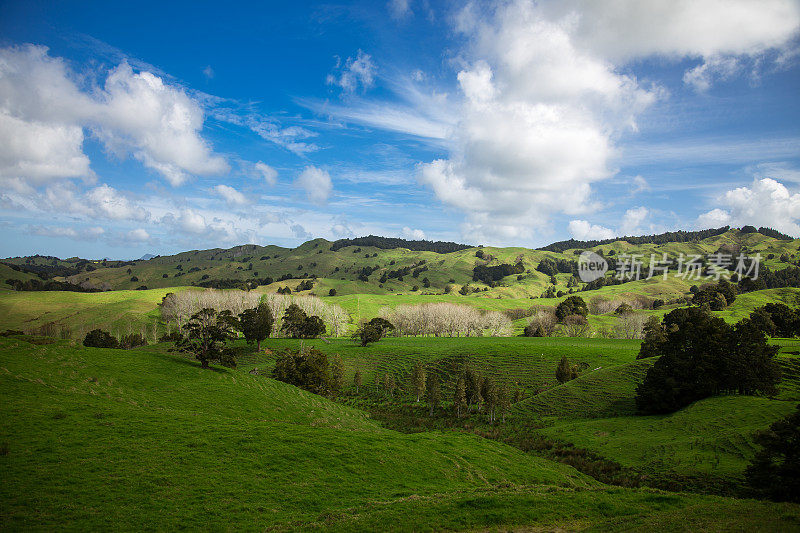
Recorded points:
(375,265)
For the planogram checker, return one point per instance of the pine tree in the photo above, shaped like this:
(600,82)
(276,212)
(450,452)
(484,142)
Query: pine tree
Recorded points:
(389,384)
(564,371)
(357,380)
(433,393)
(460,396)
(337,373)
(418,379)
(489,393)
(503,401)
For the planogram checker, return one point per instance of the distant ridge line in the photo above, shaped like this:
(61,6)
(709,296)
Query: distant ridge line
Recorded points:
(670,236)
(388,243)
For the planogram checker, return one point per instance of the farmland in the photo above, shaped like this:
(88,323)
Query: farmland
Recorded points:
(144,438)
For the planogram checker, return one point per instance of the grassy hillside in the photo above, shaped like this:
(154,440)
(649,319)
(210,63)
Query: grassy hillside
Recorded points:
(340,269)
(101,439)
(712,436)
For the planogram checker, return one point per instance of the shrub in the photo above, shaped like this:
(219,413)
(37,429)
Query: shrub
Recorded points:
(775,469)
(97,338)
(308,370)
(132,341)
(574,305)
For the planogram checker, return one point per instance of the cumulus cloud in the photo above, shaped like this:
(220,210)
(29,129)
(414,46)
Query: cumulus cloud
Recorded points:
(138,235)
(413,234)
(631,224)
(358,71)
(158,123)
(766,202)
(269,174)
(107,202)
(44,113)
(546,96)
(633,219)
(231,196)
(317,184)
(583,230)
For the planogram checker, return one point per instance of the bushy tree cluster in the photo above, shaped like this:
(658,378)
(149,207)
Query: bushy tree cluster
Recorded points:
(702,356)
(388,243)
(717,296)
(573,305)
(551,267)
(298,325)
(565,371)
(206,335)
(309,370)
(492,274)
(97,338)
(670,236)
(775,469)
(256,324)
(373,331)
(776,320)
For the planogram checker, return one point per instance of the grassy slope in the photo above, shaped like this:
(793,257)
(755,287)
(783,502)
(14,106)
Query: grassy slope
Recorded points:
(712,436)
(339,270)
(107,438)
(101,439)
(527,363)
(113,310)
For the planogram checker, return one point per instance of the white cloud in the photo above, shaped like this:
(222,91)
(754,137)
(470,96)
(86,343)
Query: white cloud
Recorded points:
(43,114)
(231,196)
(765,202)
(639,185)
(317,184)
(270,174)
(208,72)
(703,75)
(399,9)
(158,123)
(138,235)
(413,234)
(107,202)
(357,71)
(79,234)
(632,221)
(585,231)
(716,218)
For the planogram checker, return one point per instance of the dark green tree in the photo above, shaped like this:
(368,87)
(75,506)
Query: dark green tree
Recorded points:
(654,336)
(702,356)
(433,393)
(460,396)
(97,338)
(206,335)
(418,376)
(565,371)
(256,324)
(308,369)
(573,305)
(775,469)
(298,325)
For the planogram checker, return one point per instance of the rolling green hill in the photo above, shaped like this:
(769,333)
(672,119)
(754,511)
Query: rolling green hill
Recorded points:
(100,439)
(340,269)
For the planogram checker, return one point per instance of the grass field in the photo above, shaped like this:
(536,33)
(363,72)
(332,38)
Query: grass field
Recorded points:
(712,436)
(102,439)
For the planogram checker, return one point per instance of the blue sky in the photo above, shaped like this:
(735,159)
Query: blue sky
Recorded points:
(132,128)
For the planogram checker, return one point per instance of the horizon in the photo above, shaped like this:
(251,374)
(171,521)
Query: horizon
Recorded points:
(515,124)
(590,243)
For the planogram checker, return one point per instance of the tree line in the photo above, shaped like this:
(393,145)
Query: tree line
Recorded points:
(388,243)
